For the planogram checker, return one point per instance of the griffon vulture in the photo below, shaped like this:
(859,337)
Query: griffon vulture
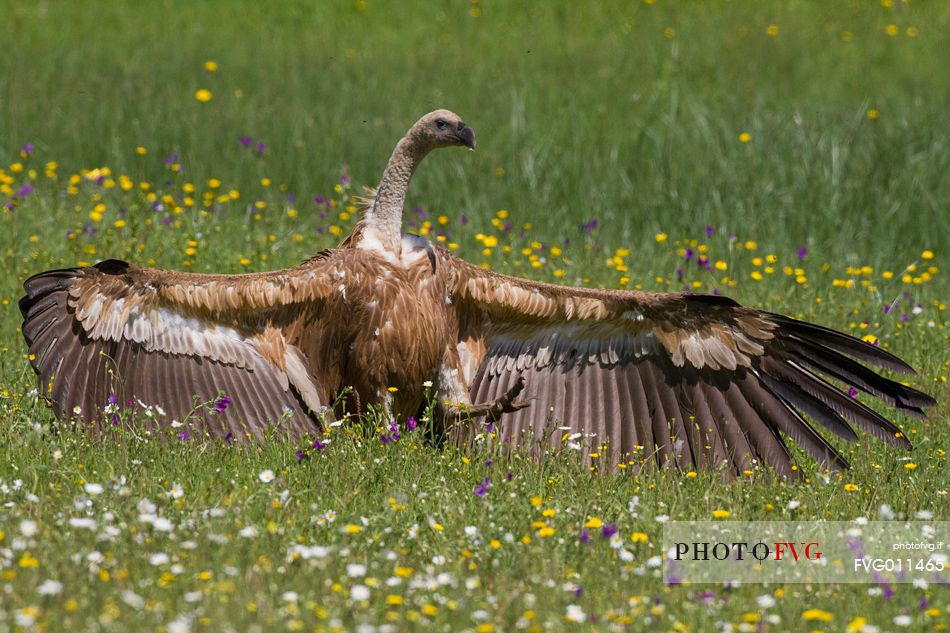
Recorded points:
(678,379)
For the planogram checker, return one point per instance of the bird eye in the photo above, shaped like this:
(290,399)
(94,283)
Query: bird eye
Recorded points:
(441,124)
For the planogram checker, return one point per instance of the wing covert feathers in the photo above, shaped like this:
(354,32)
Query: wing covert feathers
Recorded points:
(688,380)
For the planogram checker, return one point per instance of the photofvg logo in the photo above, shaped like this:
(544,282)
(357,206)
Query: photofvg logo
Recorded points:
(800,552)
(742,550)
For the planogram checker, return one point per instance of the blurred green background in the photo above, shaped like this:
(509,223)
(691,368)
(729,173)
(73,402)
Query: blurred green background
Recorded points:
(628,112)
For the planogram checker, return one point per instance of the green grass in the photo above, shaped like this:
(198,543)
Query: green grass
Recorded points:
(601,114)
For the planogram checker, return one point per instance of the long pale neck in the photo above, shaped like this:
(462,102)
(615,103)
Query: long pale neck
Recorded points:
(384,216)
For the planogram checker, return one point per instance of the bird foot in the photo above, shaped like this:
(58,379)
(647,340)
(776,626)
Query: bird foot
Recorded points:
(492,411)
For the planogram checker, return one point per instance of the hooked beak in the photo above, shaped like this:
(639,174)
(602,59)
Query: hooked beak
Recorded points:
(466,136)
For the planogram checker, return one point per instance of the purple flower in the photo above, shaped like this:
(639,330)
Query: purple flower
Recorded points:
(9,205)
(344,181)
(260,148)
(170,160)
(25,190)
(509,476)
(589,226)
(411,423)
(887,308)
(490,427)
(608,530)
(27,149)
(183,436)
(300,455)
(229,437)
(463,219)
(905,317)
(578,591)
(482,489)
(112,399)
(114,419)
(395,431)
(679,274)
(245,141)
(707,597)
(802,251)
(852,392)
(709,231)
(584,537)
(489,462)
(318,445)
(221,404)
(688,255)
(384,438)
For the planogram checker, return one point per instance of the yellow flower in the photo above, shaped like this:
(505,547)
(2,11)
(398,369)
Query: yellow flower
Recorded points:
(639,537)
(545,532)
(873,114)
(393,599)
(430,610)
(850,487)
(910,465)
(745,137)
(141,151)
(594,523)
(536,501)
(772,30)
(817,614)
(661,237)
(211,66)
(720,514)
(927,254)
(352,528)
(28,561)
(891,29)
(203,95)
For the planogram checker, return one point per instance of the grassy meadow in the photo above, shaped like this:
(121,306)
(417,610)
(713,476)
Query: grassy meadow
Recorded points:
(791,154)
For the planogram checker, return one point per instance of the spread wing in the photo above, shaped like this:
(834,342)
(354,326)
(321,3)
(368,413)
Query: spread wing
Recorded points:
(114,333)
(681,379)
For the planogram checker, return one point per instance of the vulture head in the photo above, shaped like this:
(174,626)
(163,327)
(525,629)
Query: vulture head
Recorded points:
(442,128)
